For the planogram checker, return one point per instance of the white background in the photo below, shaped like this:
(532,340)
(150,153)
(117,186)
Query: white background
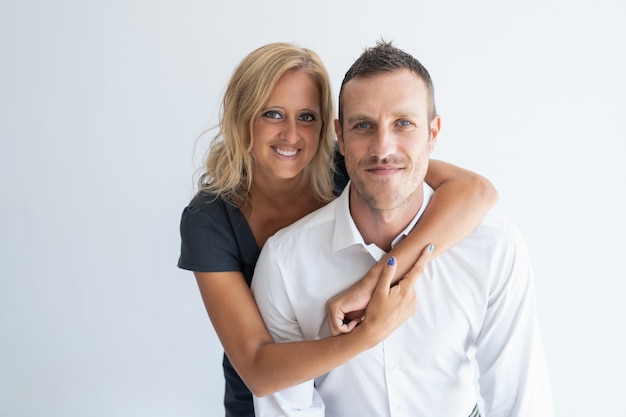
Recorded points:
(101,106)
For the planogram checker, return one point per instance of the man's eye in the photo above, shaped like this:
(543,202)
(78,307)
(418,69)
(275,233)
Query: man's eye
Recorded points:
(272,114)
(405,123)
(362,125)
(307,117)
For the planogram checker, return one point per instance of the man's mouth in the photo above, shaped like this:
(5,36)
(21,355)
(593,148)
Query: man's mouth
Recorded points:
(383,169)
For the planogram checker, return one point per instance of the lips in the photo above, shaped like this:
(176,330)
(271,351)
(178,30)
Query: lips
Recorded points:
(386,169)
(285,152)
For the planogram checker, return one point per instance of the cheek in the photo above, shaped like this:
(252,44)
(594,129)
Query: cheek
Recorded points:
(424,154)
(317,136)
(259,132)
(351,159)
(431,145)
(313,135)
(421,163)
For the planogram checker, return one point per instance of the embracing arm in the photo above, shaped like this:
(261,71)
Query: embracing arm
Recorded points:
(461,200)
(267,367)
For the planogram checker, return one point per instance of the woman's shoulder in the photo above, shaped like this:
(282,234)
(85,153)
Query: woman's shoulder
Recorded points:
(214,236)
(208,207)
(207,201)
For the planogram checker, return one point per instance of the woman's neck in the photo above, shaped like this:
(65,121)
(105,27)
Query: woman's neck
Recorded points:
(279,192)
(277,204)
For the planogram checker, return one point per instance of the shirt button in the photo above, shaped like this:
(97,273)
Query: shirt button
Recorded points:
(401,411)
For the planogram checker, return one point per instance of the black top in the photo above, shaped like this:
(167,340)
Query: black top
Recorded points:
(215,237)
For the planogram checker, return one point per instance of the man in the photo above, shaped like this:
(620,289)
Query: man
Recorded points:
(476,301)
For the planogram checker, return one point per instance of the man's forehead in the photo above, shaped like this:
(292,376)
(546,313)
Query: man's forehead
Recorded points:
(406,74)
(399,93)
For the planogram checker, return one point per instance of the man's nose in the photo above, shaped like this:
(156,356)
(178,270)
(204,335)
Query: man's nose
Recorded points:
(383,143)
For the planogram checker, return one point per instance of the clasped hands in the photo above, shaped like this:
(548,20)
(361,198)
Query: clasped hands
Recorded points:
(379,300)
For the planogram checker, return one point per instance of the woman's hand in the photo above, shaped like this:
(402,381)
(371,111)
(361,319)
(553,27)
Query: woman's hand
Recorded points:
(346,309)
(388,304)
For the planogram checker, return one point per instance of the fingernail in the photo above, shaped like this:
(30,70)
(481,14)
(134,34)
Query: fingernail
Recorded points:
(391,261)
(431,248)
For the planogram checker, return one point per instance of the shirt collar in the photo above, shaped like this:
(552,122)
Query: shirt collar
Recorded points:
(346,233)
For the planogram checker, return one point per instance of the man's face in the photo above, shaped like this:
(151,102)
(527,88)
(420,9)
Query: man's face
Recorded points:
(386,137)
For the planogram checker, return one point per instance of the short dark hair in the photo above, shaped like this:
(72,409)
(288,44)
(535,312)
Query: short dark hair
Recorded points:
(384,57)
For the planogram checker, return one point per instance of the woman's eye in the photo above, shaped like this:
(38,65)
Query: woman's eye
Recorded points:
(307,117)
(272,114)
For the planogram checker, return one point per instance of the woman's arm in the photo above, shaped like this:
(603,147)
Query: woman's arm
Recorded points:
(461,200)
(267,367)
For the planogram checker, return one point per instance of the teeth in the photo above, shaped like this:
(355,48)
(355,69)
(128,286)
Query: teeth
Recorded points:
(285,153)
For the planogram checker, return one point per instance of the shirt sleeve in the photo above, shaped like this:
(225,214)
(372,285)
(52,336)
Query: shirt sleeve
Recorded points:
(276,309)
(513,376)
(208,242)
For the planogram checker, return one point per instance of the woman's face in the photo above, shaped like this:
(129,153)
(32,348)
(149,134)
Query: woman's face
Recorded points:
(286,133)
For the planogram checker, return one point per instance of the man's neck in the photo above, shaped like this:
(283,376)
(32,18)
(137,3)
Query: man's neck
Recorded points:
(381,227)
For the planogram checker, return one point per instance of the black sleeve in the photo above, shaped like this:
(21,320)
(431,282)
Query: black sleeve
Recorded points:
(208,242)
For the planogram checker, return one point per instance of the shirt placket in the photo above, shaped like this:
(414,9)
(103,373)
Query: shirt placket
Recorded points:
(396,377)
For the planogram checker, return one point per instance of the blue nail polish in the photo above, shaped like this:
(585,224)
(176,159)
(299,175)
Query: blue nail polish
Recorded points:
(431,248)
(391,261)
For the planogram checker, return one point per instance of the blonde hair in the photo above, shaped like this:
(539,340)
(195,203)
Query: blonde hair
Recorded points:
(229,163)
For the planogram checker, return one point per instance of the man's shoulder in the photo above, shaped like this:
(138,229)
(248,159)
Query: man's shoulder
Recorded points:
(495,221)
(312,225)
(495,232)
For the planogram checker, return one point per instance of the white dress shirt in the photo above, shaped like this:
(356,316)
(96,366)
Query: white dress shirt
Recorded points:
(476,322)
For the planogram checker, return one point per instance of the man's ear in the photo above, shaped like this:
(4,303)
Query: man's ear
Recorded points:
(339,134)
(435,128)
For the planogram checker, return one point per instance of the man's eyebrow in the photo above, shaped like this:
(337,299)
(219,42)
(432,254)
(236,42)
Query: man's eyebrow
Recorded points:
(350,118)
(405,115)
(357,117)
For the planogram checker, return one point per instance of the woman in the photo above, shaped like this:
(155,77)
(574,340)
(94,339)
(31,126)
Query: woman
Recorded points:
(270,164)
